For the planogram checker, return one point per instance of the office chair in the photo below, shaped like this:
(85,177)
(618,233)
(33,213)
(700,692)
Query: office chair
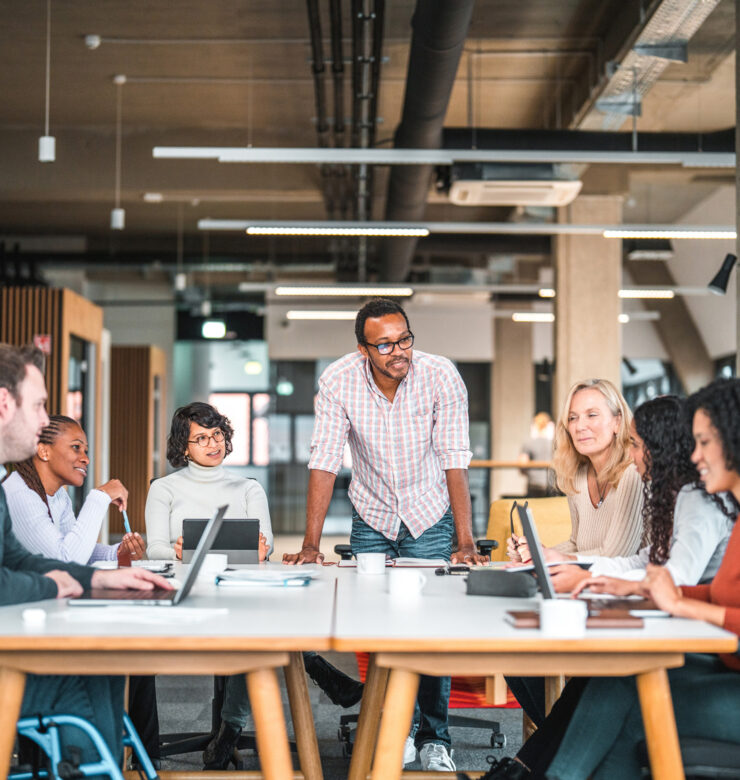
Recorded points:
(461,696)
(44,733)
(702,758)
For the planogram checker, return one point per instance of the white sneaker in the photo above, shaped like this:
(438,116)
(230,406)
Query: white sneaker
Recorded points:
(435,758)
(409,751)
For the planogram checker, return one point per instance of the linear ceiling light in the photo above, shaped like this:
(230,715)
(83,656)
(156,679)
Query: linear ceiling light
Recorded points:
(633,293)
(532,316)
(712,233)
(346,291)
(264,230)
(313,156)
(546,292)
(316,314)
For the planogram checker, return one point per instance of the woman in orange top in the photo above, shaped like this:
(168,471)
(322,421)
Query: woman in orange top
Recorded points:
(601,739)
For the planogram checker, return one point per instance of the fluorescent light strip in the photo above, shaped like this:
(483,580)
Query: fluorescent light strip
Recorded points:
(647,294)
(546,292)
(312,155)
(257,230)
(532,316)
(345,291)
(675,234)
(320,315)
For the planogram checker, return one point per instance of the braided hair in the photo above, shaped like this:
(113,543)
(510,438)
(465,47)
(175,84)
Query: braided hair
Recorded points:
(720,401)
(27,468)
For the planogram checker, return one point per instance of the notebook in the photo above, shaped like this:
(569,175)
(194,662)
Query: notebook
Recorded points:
(238,538)
(102,597)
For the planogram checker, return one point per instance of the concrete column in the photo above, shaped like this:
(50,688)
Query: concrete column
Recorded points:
(588,274)
(512,401)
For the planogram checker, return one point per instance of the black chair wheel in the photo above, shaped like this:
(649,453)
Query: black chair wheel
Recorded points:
(498,741)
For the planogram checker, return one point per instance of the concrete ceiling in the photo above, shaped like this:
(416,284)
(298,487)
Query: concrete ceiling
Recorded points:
(227,73)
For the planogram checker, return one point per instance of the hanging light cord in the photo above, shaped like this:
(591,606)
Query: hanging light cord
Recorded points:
(48,64)
(119,97)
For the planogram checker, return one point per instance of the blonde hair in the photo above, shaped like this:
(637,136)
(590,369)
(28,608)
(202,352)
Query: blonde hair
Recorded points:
(567,460)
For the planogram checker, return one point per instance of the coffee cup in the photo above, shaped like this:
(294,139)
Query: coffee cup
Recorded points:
(405,584)
(563,618)
(370,563)
(213,564)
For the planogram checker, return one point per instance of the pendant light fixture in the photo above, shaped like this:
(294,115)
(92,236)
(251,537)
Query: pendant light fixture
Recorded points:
(47,143)
(117,214)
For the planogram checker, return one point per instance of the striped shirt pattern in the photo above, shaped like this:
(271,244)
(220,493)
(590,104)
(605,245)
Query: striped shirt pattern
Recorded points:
(66,538)
(400,450)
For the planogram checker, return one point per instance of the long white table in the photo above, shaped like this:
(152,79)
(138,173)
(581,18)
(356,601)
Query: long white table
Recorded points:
(444,632)
(214,631)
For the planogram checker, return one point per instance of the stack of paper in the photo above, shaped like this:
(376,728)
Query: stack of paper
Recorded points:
(246,578)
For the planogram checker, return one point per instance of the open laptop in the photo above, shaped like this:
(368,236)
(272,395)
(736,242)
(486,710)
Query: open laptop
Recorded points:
(102,597)
(598,604)
(238,538)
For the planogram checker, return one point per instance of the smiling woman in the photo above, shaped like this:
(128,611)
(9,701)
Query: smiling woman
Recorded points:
(41,510)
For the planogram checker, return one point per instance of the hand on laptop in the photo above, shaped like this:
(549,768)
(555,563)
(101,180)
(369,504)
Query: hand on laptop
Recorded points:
(122,579)
(67,585)
(518,550)
(613,585)
(565,578)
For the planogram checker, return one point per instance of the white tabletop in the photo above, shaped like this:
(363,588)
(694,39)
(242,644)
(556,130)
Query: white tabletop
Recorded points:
(266,612)
(367,615)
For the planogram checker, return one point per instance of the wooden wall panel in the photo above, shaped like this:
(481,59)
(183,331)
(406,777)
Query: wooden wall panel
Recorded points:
(131,426)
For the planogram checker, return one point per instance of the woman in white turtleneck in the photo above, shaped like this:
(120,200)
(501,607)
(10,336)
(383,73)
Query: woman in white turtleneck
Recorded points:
(199,440)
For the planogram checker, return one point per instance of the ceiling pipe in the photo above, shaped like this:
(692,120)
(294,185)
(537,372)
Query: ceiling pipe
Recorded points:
(440,28)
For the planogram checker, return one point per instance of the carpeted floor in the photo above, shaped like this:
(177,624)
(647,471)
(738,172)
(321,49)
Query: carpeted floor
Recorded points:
(185,705)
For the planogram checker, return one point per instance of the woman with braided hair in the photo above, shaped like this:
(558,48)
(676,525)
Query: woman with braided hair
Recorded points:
(41,510)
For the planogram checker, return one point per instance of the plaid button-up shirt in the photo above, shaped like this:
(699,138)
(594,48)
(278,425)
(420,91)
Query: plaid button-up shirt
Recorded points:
(400,450)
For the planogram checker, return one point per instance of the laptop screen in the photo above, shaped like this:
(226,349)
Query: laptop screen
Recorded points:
(535,549)
(204,546)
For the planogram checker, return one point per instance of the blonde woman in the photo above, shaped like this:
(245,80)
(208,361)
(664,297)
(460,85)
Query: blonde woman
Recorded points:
(594,469)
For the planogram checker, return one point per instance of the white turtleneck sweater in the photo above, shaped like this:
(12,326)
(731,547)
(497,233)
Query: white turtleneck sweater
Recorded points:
(197,491)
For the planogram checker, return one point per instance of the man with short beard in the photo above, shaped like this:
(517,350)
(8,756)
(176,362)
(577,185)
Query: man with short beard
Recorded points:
(25,577)
(404,414)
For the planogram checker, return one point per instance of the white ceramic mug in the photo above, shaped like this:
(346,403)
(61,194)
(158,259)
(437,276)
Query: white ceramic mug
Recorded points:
(213,564)
(370,563)
(405,584)
(563,618)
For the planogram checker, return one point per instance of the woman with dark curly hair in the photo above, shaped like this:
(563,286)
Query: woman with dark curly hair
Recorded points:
(602,735)
(199,440)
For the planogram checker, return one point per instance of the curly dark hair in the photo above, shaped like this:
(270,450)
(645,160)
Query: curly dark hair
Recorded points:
(376,307)
(661,424)
(720,401)
(201,414)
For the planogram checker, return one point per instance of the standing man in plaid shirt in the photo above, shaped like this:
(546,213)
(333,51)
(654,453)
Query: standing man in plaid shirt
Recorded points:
(405,416)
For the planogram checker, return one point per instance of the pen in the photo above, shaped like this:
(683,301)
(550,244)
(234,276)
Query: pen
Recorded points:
(126,523)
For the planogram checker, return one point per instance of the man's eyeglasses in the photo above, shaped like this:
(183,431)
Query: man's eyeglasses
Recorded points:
(388,346)
(204,439)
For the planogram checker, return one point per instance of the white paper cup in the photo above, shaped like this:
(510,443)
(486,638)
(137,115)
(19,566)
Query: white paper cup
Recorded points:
(370,563)
(563,618)
(405,584)
(213,564)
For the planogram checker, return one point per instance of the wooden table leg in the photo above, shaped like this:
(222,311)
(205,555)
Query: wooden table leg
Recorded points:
(369,721)
(269,724)
(660,725)
(398,712)
(303,723)
(12,685)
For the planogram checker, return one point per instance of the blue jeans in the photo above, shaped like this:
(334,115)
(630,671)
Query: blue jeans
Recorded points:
(235,708)
(432,702)
(98,700)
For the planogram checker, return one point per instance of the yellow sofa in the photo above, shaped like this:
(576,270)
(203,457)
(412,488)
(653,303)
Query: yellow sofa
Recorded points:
(551,516)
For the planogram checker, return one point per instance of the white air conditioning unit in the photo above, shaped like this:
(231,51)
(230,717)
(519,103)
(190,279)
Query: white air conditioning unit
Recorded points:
(513,193)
